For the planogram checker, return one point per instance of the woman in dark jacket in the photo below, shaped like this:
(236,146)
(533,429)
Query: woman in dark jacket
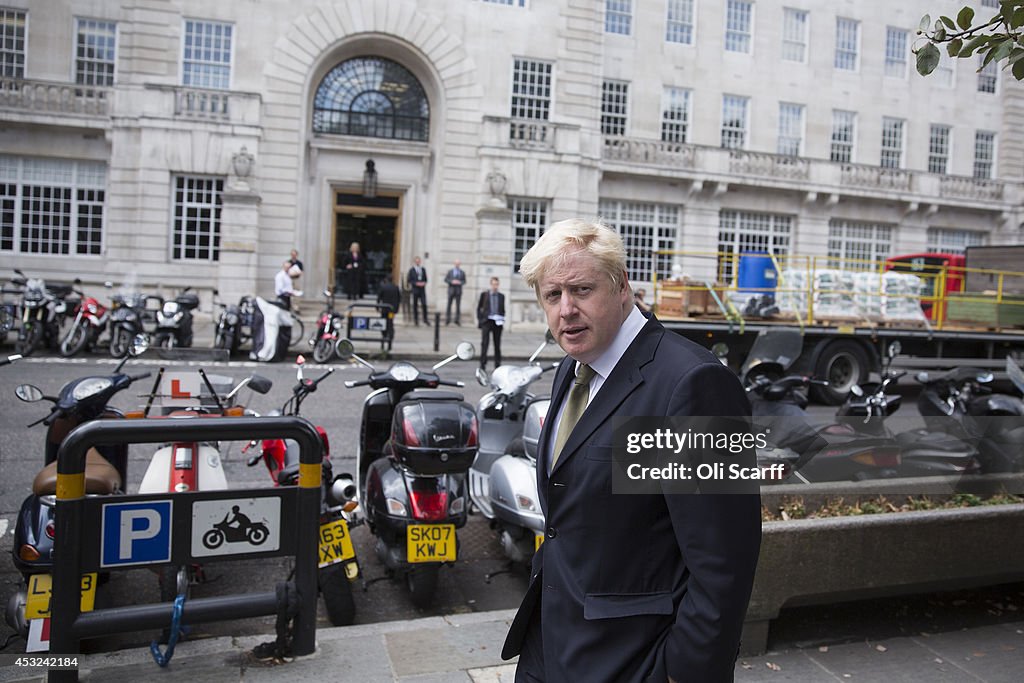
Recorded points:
(355,272)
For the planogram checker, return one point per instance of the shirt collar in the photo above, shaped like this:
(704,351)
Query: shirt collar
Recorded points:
(630,328)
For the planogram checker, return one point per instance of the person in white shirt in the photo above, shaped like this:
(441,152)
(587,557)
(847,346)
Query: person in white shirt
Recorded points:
(283,286)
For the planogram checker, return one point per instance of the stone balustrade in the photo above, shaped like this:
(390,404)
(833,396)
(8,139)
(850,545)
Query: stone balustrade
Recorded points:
(46,97)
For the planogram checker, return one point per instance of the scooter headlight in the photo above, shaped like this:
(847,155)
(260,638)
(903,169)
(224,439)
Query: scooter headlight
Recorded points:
(90,386)
(404,372)
(170,308)
(337,323)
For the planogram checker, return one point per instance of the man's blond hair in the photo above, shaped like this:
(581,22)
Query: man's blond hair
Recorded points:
(566,238)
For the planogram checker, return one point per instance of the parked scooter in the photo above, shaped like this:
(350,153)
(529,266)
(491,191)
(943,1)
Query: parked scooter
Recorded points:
(43,309)
(503,479)
(416,445)
(79,401)
(234,324)
(338,564)
(329,330)
(174,320)
(89,324)
(127,320)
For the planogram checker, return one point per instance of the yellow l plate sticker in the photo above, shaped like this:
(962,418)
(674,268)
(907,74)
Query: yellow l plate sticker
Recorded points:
(40,588)
(335,543)
(430,543)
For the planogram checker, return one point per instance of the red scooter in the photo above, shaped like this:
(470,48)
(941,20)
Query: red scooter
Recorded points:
(90,321)
(338,564)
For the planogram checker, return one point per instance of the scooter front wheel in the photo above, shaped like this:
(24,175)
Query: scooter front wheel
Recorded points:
(323,350)
(75,340)
(120,340)
(422,582)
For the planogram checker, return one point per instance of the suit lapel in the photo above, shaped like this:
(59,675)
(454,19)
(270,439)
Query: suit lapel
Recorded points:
(626,376)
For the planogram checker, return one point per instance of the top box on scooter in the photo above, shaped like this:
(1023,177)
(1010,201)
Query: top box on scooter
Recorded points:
(434,432)
(187,300)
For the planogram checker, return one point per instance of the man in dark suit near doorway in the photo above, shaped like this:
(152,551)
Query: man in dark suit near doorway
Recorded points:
(417,279)
(646,587)
(490,316)
(455,278)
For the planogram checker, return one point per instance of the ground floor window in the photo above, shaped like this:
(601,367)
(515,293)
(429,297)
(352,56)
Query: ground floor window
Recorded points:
(529,216)
(51,206)
(856,245)
(747,231)
(197,205)
(954,240)
(646,228)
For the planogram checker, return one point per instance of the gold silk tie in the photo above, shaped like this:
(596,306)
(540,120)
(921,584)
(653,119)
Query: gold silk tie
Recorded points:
(579,394)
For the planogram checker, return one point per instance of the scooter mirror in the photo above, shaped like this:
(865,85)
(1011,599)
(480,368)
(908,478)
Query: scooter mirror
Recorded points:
(481,377)
(260,384)
(894,349)
(29,393)
(984,377)
(922,377)
(78,280)
(345,349)
(856,390)
(140,343)
(465,351)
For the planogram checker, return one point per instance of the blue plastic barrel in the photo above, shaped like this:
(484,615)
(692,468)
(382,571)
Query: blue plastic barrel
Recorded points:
(756,274)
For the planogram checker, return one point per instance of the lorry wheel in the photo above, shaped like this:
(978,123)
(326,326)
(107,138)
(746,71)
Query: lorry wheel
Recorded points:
(842,364)
(337,592)
(422,583)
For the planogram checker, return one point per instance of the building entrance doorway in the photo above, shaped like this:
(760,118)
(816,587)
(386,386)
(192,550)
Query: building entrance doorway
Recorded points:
(374,223)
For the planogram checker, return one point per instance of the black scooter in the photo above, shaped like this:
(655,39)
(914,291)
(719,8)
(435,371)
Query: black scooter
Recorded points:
(416,446)
(174,320)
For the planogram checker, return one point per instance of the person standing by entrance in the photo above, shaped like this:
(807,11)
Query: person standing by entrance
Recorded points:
(355,273)
(283,286)
(417,279)
(490,315)
(455,279)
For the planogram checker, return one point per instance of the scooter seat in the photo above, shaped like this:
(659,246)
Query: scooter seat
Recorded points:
(432,395)
(100,477)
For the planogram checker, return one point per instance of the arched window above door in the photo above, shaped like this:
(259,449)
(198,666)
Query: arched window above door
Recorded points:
(371,97)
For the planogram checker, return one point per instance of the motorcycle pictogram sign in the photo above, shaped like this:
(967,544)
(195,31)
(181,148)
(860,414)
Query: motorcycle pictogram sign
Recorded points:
(233,527)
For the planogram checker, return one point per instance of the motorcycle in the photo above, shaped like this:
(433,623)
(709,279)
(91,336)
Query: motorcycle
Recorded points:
(234,324)
(338,564)
(416,445)
(328,331)
(127,320)
(79,401)
(503,478)
(8,314)
(90,322)
(42,311)
(174,320)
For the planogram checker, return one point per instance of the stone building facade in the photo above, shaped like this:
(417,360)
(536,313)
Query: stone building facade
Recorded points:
(165,143)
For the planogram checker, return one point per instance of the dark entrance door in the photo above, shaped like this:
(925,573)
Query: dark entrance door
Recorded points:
(373,222)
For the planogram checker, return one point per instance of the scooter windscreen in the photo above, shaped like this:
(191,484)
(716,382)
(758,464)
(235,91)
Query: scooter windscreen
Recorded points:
(779,346)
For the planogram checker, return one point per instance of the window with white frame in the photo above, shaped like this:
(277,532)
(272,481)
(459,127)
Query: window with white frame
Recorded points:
(791,129)
(953,240)
(746,231)
(734,121)
(614,107)
(51,206)
(679,27)
(843,135)
(988,77)
(892,143)
(896,46)
(529,216)
(510,3)
(990,3)
(739,25)
(12,43)
(675,115)
(646,228)
(847,43)
(531,89)
(795,25)
(858,245)
(938,148)
(95,52)
(196,229)
(984,153)
(618,16)
(206,54)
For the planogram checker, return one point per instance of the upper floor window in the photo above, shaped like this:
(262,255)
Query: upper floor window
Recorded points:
(896,45)
(990,3)
(988,77)
(795,24)
(12,43)
(984,153)
(892,143)
(371,97)
(511,3)
(618,16)
(791,129)
(847,43)
(206,54)
(531,89)
(938,148)
(94,52)
(614,107)
(675,115)
(843,135)
(734,121)
(679,28)
(739,26)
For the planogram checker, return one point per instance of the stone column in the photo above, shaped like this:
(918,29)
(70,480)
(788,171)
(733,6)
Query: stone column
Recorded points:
(239,242)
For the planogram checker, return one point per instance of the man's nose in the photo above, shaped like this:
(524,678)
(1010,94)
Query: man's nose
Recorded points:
(567,305)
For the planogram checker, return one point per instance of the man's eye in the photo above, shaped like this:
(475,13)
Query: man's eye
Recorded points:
(553,296)
(583,291)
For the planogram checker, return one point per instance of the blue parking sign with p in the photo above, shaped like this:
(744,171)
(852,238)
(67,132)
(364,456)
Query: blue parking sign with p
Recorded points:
(136,533)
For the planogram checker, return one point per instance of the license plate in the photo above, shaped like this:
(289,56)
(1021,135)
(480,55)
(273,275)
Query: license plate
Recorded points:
(40,586)
(538,541)
(335,543)
(430,542)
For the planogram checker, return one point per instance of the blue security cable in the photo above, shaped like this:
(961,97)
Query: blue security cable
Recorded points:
(164,658)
